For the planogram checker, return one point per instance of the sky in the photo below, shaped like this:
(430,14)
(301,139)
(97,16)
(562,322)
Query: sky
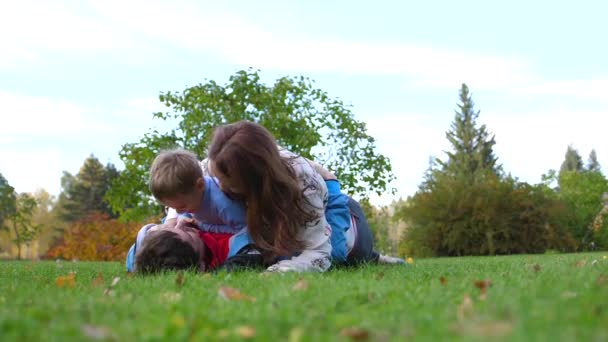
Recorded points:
(83,77)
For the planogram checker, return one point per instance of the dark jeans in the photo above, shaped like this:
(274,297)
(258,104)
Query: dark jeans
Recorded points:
(363,250)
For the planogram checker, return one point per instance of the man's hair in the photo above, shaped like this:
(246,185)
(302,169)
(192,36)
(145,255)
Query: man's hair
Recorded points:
(162,251)
(174,172)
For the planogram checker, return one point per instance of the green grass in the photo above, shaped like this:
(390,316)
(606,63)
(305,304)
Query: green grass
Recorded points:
(564,298)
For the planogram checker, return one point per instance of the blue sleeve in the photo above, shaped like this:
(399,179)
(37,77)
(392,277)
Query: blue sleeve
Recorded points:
(232,214)
(338,217)
(130,262)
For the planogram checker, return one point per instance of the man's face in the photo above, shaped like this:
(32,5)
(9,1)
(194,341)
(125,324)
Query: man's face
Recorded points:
(189,234)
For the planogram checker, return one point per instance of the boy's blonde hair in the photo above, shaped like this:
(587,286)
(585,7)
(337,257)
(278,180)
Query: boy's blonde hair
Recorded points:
(174,172)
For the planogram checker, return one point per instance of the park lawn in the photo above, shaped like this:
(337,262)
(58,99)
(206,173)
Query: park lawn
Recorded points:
(559,297)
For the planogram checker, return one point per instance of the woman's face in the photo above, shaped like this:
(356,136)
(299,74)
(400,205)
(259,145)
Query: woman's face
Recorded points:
(226,184)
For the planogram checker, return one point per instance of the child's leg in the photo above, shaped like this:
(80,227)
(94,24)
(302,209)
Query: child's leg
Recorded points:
(363,250)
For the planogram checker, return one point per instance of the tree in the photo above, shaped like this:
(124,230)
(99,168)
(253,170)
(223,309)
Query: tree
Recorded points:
(572,161)
(593,165)
(84,193)
(21,224)
(304,120)
(7,201)
(466,206)
(582,192)
(472,144)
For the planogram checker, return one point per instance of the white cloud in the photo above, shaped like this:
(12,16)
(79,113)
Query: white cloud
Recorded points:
(585,89)
(41,137)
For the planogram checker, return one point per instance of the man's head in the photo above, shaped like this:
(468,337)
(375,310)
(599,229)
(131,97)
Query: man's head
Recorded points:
(176,180)
(171,248)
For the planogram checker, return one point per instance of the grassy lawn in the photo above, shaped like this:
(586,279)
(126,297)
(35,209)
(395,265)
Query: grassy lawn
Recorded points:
(531,297)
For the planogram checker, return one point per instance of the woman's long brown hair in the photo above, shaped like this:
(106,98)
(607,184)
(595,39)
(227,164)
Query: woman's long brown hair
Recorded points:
(246,156)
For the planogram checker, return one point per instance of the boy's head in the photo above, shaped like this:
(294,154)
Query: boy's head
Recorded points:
(170,248)
(176,180)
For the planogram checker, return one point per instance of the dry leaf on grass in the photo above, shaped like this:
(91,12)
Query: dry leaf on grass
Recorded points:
(295,335)
(355,334)
(581,263)
(483,286)
(602,279)
(171,297)
(465,310)
(98,281)
(110,290)
(379,275)
(180,279)
(536,268)
(230,293)
(66,281)
(301,285)
(96,332)
(494,329)
(246,331)
(443,280)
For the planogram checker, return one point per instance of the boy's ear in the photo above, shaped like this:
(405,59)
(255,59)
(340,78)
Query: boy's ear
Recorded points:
(200,184)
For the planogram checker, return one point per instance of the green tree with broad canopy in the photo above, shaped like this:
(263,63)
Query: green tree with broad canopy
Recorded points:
(304,119)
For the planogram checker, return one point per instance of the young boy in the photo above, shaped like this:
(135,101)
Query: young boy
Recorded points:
(177,181)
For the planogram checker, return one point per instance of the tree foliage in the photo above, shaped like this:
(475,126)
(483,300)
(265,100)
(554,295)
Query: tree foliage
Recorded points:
(572,161)
(96,237)
(582,192)
(593,164)
(8,201)
(304,119)
(466,206)
(472,144)
(83,193)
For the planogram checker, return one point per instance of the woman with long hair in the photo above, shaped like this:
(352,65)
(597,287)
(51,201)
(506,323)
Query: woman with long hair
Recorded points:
(285,196)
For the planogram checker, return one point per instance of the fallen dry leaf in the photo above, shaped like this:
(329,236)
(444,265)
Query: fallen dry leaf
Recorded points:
(246,331)
(569,294)
(465,310)
(96,332)
(66,281)
(379,275)
(581,263)
(443,280)
(536,268)
(483,286)
(355,334)
(178,321)
(171,297)
(180,279)
(295,335)
(485,329)
(602,279)
(301,285)
(98,281)
(230,293)
(110,290)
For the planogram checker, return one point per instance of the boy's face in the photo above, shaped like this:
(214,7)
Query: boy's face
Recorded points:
(186,203)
